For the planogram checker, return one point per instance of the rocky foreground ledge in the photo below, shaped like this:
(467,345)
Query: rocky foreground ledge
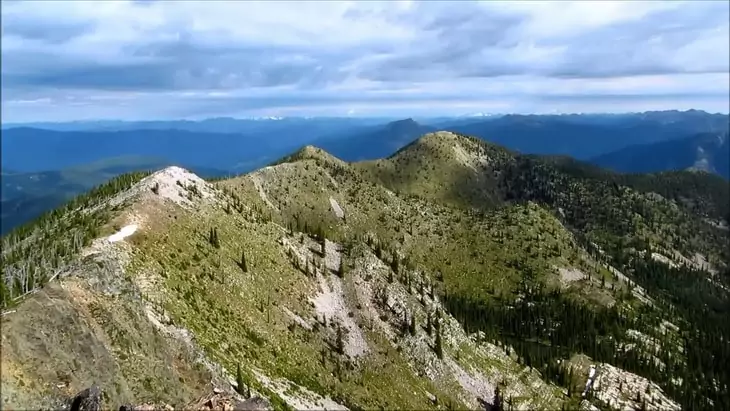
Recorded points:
(90,399)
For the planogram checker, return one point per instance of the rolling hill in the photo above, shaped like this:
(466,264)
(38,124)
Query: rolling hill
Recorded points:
(455,273)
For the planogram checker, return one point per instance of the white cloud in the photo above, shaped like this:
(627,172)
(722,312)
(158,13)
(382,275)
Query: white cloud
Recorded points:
(175,59)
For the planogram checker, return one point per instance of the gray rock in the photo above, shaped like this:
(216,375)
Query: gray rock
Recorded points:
(251,404)
(87,400)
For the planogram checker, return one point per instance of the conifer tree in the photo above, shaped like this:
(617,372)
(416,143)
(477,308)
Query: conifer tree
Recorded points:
(341,269)
(243,264)
(439,347)
(340,341)
(412,324)
(239,381)
(497,400)
(213,238)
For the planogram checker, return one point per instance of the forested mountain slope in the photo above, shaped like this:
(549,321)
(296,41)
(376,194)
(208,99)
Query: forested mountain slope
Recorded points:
(709,152)
(453,274)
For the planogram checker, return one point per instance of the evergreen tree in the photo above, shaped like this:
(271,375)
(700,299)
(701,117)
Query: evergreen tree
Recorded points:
(341,269)
(439,347)
(412,324)
(213,238)
(240,384)
(497,400)
(242,264)
(340,340)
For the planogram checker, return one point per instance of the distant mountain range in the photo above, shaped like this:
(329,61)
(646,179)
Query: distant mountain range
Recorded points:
(308,126)
(588,136)
(376,142)
(45,165)
(705,151)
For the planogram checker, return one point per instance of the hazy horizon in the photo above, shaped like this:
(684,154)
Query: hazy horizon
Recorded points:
(475,115)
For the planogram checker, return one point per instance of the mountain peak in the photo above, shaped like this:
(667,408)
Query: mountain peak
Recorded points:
(172,183)
(403,125)
(310,152)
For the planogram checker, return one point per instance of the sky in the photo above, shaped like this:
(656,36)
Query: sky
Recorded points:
(141,60)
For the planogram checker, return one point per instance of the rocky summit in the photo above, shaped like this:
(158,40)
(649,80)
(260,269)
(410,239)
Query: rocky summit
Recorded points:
(455,274)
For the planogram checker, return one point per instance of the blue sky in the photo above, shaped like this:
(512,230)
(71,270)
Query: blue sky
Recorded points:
(86,60)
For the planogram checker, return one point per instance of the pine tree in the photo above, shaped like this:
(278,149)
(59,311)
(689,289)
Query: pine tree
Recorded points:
(497,400)
(570,382)
(340,341)
(239,381)
(341,269)
(242,264)
(213,238)
(412,324)
(439,347)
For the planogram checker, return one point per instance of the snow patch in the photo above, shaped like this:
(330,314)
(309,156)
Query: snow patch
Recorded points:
(336,208)
(125,232)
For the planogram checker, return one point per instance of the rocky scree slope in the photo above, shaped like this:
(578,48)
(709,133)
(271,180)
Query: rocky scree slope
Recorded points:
(320,284)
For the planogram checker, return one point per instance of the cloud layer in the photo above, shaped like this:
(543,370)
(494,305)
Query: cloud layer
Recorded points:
(160,59)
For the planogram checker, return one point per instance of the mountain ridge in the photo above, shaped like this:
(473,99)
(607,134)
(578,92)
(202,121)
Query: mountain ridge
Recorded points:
(704,152)
(319,279)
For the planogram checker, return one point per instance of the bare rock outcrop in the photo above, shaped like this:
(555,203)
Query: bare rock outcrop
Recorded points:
(87,400)
(90,399)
